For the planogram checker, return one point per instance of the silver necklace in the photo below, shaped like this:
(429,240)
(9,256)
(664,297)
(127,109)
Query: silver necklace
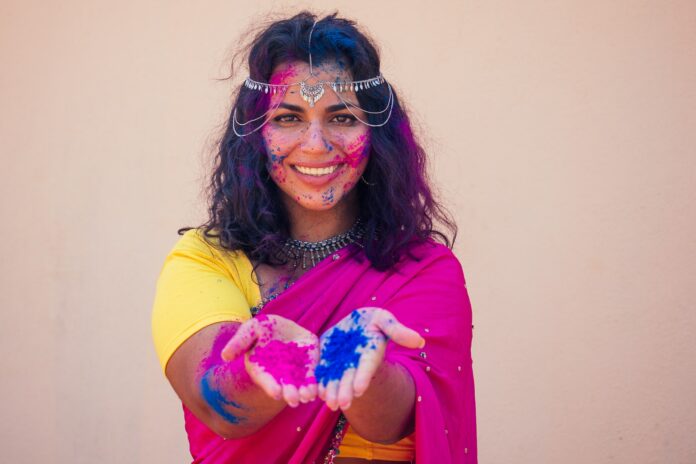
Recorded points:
(301,254)
(308,254)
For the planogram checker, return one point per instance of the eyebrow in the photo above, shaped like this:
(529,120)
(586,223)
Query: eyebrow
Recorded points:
(329,109)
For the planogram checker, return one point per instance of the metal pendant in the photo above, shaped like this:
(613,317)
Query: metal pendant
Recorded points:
(311,93)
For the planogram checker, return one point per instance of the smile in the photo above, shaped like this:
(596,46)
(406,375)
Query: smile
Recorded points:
(317,171)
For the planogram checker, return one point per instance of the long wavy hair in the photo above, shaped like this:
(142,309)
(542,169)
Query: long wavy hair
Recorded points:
(396,203)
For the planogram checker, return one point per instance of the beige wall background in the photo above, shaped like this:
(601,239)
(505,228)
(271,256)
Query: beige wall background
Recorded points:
(562,136)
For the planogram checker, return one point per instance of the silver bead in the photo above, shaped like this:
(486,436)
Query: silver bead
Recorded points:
(427,330)
(299,429)
(373,298)
(420,398)
(427,368)
(336,257)
(459,368)
(423,355)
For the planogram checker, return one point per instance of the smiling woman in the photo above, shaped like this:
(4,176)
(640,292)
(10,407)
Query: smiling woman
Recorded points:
(319,314)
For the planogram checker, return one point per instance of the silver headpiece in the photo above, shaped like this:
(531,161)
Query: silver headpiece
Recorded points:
(311,93)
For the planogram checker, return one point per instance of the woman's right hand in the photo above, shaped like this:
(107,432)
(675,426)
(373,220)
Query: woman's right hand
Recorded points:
(279,355)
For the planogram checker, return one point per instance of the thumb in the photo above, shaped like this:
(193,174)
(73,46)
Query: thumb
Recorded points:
(397,332)
(241,341)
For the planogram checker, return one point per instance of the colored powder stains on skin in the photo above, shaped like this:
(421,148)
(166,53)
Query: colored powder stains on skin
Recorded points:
(357,150)
(221,338)
(328,197)
(339,353)
(327,145)
(217,401)
(287,362)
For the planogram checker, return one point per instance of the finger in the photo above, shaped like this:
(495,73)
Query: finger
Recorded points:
(369,363)
(304,394)
(291,395)
(264,380)
(241,341)
(345,389)
(397,332)
(321,391)
(312,391)
(332,395)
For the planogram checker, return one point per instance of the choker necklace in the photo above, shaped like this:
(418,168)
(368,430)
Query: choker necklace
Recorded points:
(308,254)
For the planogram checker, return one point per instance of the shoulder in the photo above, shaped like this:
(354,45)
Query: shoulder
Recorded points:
(196,253)
(430,256)
(194,243)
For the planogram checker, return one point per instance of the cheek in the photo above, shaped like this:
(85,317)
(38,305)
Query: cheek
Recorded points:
(278,147)
(357,149)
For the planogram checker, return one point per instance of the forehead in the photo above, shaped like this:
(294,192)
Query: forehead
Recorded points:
(295,71)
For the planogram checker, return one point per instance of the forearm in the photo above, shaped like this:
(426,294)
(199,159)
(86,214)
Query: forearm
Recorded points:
(385,412)
(235,405)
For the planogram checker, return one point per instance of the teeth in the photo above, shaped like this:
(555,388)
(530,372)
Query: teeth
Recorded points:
(316,171)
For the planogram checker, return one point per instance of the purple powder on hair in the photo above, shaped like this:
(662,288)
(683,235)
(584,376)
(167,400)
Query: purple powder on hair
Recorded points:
(287,362)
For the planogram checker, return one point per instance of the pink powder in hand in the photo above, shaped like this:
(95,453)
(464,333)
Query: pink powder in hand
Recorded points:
(287,362)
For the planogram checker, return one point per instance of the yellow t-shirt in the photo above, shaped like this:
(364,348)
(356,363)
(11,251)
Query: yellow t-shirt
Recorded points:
(200,285)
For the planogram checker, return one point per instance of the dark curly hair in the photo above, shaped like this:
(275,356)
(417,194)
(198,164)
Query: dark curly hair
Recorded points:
(396,203)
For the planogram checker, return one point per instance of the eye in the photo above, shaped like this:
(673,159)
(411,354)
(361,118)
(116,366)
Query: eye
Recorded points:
(286,118)
(345,119)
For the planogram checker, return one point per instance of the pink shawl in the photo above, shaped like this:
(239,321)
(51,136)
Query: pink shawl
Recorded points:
(428,295)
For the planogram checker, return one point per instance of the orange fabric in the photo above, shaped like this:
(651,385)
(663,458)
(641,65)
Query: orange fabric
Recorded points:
(353,446)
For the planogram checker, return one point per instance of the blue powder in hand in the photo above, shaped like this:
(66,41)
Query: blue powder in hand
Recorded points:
(339,354)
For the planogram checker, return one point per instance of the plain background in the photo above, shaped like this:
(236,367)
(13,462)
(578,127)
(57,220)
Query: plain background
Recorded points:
(561,135)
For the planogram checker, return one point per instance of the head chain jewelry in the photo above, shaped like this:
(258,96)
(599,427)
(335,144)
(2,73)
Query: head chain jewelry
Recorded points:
(311,93)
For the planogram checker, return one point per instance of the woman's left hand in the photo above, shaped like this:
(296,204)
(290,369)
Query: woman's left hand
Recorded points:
(353,350)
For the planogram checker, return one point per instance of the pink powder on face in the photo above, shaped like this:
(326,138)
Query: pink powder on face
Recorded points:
(287,362)
(357,150)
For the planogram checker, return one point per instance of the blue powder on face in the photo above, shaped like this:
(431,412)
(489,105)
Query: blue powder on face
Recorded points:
(328,196)
(217,401)
(339,353)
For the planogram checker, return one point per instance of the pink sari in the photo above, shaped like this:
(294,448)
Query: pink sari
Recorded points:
(428,295)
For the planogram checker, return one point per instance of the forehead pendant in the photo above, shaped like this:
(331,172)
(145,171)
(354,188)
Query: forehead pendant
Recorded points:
(311,93)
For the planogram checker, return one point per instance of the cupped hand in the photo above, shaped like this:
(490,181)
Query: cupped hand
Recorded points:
(280,357)
(353,350)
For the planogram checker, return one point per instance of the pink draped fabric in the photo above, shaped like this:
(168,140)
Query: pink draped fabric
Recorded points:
(427,294)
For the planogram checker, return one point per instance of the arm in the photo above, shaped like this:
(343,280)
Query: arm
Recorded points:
(233,378)
(211,388)
(385,412)
(377,397)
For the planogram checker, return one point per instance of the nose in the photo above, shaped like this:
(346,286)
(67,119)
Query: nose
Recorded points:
(313,140)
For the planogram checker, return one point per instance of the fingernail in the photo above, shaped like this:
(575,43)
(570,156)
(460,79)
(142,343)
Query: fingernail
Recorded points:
(422,343)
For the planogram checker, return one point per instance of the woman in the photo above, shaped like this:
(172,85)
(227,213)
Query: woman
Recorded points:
(314,317)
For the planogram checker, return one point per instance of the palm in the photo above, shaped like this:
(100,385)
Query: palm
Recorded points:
(280,356)
(352,351)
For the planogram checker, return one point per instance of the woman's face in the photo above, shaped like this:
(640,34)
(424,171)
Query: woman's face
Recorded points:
(315,155)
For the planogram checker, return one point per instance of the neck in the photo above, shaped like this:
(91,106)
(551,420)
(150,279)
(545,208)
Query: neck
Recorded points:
(314,226)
